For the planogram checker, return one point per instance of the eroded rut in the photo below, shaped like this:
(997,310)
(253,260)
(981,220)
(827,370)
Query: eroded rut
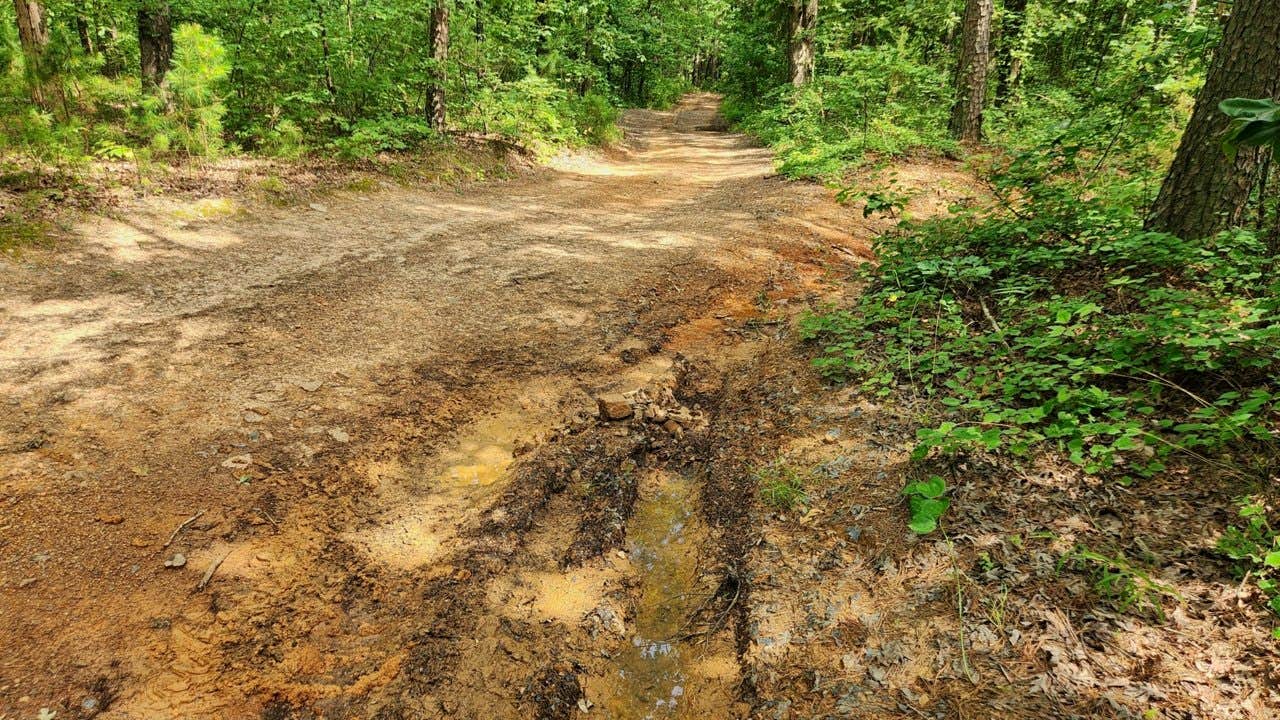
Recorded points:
(383,420)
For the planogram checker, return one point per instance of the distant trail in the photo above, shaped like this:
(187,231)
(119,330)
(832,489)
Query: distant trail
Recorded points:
(346,392)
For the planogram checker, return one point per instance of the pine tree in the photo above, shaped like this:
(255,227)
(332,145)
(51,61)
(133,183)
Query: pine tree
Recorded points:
(1206,190)
(971,71)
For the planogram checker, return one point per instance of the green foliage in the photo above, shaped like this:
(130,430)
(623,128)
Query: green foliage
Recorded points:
(368,138)
(197,84)
(781,485)
(926,503)
(877,101)
(284,77)
(1253,122)
(1127,586)
(1063,325)
(1255,547)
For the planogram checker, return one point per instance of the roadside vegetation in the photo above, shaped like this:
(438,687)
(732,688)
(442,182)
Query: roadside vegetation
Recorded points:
(1113,301)
(168,81)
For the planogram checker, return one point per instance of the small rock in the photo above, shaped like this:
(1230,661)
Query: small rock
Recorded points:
(319,207)
(854,533)
(177,561)
(849,661)
(252,417)
(673,427)
(110,519)
(89,705)
(608,619)
(238,462)
(614,407)
(309,385)
(26,582)
(339,434)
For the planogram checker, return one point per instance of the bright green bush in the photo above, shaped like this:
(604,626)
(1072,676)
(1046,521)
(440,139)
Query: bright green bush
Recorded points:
(1065,325)
(876,101)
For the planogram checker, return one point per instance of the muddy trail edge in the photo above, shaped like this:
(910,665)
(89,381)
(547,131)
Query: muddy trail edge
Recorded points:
(409,453)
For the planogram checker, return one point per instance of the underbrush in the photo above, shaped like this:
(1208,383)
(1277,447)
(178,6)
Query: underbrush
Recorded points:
(1058,323)
(92,116)
(877,101)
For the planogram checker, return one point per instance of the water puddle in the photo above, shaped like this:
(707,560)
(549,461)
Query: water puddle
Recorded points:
(657,675)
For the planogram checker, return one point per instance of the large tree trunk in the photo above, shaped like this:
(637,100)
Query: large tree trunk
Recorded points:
(440,56)
(1206,191)
(82,29)
(1008,65)
(155,42)
(802,21)
(971,71)
(33,33)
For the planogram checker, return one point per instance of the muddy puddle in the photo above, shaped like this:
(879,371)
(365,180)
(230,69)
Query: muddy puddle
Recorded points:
(664,670)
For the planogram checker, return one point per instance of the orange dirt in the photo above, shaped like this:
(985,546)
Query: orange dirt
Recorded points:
(342,393)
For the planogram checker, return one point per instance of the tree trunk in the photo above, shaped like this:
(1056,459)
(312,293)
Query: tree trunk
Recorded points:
(971,71)
(155,43)
(1206,191)
(802,21)
(82,29)
(1008,65)
(34,36)
(439,56)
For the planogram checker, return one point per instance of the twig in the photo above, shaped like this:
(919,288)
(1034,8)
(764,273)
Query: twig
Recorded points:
(991,319)
(267,516)
(213,566)
(180,528)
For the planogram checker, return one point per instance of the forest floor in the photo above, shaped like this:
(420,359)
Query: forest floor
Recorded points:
(493,451)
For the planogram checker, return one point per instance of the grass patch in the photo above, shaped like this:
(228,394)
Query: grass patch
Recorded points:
(782,486)
(18,233)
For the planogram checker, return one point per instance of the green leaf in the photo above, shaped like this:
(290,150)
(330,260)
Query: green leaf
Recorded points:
(1249,108)
(923,525)
(925,513)
(934,487)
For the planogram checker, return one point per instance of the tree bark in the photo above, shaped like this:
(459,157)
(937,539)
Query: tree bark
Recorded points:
(971,71)
(155,43)
(82,29)
(1206,191)
(802,21)
(439,56)
(1008,65)
(33,33)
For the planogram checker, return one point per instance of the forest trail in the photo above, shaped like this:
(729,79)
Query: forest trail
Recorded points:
(368,426)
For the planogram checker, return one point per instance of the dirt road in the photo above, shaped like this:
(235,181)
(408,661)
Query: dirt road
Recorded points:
(342,460)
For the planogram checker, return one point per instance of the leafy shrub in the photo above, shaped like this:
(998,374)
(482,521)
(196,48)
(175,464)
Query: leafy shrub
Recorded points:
(1255,547)
(370,137)
(877,100)
(1064,325)
(926,503)
(596,118)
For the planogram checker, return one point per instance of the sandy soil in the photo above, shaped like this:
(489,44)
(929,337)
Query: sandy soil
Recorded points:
(326,404)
